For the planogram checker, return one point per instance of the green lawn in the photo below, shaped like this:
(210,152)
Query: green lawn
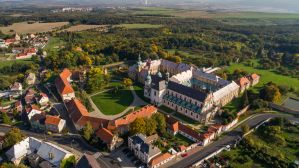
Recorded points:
(183,140)
(140,93)
(139,26)
(185,118)
(111,103)
(54,44)
(267,76)
(234,105)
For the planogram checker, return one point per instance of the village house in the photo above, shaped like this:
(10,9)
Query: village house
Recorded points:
(18,106)
(30,96)
(143,149)
(244,84)
(44,152)
(26,53)
(160,160)
(16,88)
(30,79)
(121,125)
(54,124)
(37,122)
(87,161)
(254,79)
(63,85)
(80,116)
(42,99)
(111,140)
(175,127)
(31,110)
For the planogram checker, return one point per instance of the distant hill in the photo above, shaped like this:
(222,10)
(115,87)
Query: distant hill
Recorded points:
(291,6)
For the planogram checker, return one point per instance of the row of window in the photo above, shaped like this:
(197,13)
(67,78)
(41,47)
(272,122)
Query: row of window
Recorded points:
(180,108)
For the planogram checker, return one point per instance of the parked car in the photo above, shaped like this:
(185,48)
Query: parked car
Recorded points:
(184,154)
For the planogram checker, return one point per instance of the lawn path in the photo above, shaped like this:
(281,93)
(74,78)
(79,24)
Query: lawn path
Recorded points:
(136,103)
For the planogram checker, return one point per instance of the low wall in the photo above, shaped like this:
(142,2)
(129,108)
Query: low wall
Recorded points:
(243,110)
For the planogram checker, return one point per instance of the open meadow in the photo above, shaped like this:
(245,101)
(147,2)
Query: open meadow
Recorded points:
(24,27)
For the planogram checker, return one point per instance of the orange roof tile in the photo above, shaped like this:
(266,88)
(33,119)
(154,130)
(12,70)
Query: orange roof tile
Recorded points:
(95,122)
(52,120)
(189,131)
(62,84)
(243,81)
(160,158)
(105,135)
(146,111)
(254,76)
(76,109)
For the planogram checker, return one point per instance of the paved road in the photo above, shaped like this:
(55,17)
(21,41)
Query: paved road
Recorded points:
(229,138)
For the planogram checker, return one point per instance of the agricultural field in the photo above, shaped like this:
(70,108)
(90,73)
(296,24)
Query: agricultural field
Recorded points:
(24,27)
(139,26)
(81,27)
(113,102)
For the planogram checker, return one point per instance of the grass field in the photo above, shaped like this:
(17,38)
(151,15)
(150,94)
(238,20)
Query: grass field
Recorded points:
(10,62)
(24,27)
(111,103)
(139,26)
(82,27)
(267,76)
(54,44)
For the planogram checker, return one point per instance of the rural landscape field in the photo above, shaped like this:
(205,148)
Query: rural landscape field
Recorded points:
(149,84)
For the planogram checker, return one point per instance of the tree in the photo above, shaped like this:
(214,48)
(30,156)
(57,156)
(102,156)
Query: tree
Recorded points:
(151,126)
(87,131)
(270,92)
(245,101)
(95,79)
(6,119)
(138,126)
(11,165)
(161,122)
(12,137)
(127,82)
(245,129)
(68,162)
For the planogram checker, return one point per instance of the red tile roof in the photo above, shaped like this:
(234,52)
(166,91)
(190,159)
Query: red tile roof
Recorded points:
(172,123)
(62,84)
(32,107)
(206,135)
(160,158)
(254,76)
(145,111)
(80,115)
(105,135)
(214,128)
(182,147)
(76,110)
(52,120)
(243,81)
(189,131)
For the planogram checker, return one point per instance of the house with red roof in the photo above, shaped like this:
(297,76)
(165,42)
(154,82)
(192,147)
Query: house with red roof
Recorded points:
(31,110)
(176,127)
(30,96)
(26,54)
(63,85)
(160,160)
(37,122)
(244,84)
(80,116)
(42,99)
(206,138)
(121,125)
(254,79)
(54,123)
(111,140)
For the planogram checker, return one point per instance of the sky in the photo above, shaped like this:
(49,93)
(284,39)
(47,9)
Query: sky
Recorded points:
(285,6)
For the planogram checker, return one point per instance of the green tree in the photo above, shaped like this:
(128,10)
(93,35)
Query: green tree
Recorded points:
(6,119)
(270,92)
(127,82)
(12,137)
(138,126)
(11,165)
(161,122)
(95,80)
(88,131)
(151,126)
(245,101)
(245,128)
(68,162)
